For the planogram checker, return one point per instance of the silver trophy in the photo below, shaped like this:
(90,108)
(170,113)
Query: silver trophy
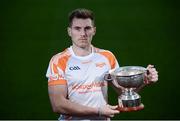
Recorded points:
(127,79)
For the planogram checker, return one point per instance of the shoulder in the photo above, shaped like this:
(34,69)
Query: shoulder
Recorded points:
(104,52)
(108,55)
(62,56)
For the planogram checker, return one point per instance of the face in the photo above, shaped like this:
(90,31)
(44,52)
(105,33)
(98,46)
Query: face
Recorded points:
(81,32)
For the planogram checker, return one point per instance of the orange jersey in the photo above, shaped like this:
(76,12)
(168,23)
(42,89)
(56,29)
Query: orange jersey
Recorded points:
(84,76)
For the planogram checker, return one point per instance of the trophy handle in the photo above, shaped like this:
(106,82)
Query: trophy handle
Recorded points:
(116,83)
(108,77)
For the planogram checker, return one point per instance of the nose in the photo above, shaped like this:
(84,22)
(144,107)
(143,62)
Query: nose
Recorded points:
(83,32)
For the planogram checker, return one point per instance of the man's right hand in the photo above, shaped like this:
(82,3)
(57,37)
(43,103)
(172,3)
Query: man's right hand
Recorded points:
(108,110)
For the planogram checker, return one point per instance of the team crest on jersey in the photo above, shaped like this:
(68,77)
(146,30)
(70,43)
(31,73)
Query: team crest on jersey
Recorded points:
(74,68)
(101,64)
(87,62)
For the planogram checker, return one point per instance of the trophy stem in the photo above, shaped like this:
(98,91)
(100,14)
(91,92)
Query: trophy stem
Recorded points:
(129,101)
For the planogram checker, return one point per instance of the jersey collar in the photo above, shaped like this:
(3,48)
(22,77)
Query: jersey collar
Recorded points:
(81,57)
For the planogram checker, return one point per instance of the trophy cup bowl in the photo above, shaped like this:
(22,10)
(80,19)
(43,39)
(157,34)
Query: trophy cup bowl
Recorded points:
(129,78)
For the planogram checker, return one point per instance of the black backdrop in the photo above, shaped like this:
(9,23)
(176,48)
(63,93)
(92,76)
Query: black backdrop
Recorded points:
(138,32)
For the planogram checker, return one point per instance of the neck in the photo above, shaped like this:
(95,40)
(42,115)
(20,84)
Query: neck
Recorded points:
(82,51)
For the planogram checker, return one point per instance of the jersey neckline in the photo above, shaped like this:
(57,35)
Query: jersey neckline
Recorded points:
(81,57)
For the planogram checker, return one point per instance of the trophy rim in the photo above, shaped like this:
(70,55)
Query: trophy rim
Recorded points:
(143,70)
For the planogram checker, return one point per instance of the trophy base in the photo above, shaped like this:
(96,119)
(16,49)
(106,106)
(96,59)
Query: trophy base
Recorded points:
(130,109)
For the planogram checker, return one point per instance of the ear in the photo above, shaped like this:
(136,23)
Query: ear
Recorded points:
(94,30)
(69,31)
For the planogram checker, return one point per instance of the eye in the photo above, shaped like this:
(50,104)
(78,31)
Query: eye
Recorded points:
(77,28)
(88,28)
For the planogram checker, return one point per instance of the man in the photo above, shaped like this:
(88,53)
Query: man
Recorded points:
(76,84)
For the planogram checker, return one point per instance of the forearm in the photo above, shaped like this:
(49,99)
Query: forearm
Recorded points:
(71,108)
(62,105)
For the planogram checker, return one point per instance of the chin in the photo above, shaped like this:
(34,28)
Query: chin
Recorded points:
(84,45)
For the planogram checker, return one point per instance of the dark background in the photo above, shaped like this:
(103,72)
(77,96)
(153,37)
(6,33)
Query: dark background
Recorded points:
(138,32)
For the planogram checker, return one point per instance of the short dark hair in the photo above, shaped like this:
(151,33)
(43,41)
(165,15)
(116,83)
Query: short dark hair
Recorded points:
(81,13)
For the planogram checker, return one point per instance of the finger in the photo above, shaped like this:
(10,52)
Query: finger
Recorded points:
(112,107)
(151,78)
(152,73)
(111,116)
(150,66)
(154,79)
(116,111)
(152,70)
(113,112)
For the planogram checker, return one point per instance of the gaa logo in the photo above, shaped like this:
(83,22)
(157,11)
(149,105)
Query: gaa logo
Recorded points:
(74,68)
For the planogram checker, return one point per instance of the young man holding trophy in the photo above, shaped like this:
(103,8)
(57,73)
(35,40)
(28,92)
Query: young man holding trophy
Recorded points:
(77,82)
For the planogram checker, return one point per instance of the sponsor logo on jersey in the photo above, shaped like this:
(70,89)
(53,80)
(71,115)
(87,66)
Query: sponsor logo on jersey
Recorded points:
(88,86)
(74,68)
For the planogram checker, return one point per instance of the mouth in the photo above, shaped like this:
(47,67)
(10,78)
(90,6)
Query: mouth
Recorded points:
(83,39)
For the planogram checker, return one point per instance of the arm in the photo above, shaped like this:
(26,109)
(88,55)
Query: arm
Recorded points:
(61,104)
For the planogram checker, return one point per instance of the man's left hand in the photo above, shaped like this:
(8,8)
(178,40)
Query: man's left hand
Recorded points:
(151,76)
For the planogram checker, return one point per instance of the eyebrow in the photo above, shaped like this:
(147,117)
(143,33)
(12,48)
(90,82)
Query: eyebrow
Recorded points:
(86,27)
(77,27)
